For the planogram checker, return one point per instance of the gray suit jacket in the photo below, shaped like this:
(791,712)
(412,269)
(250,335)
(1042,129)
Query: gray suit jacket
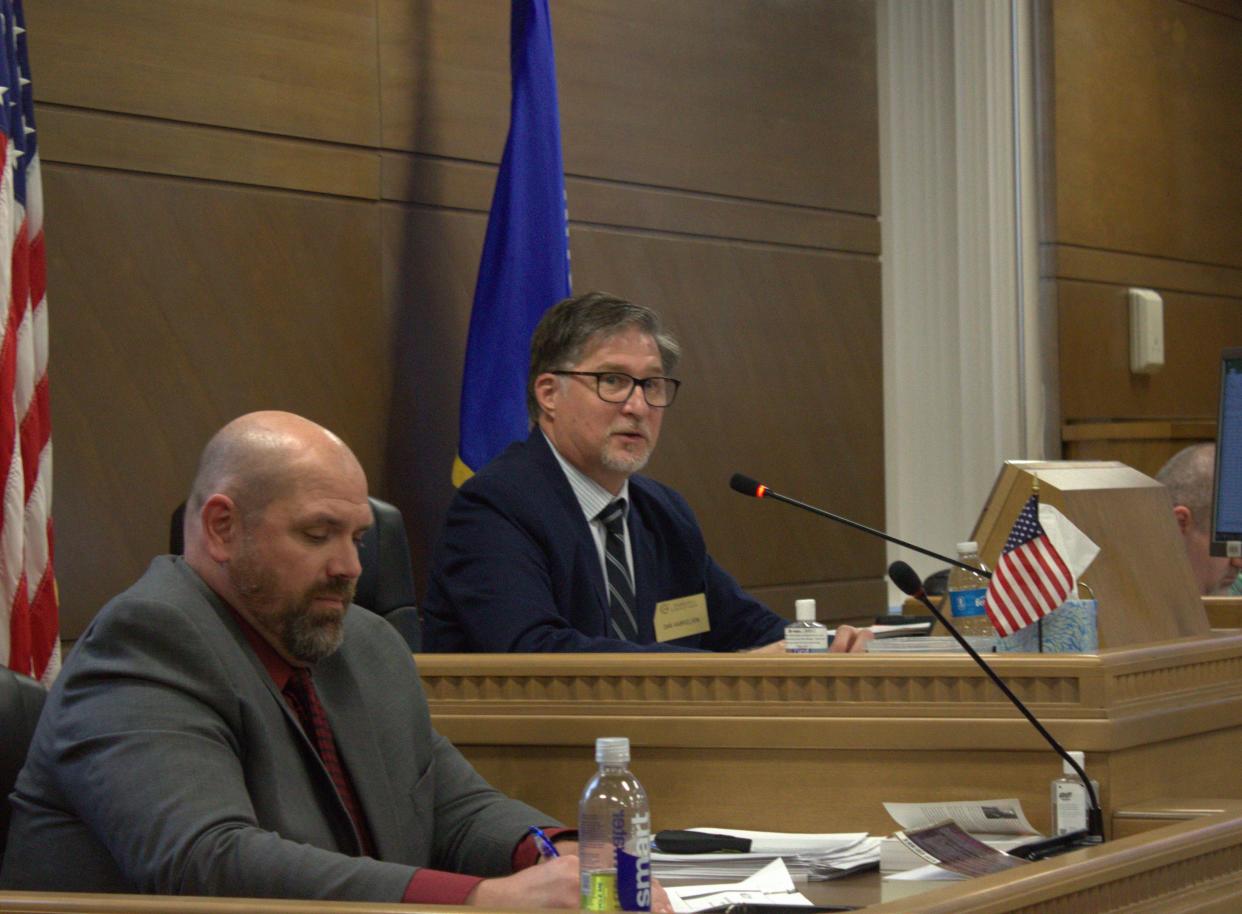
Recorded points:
(166,761)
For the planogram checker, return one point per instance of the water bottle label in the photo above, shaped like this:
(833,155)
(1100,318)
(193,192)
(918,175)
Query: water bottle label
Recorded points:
(628,887)
(599,892)
(967,602)
(634,880)
(806,640)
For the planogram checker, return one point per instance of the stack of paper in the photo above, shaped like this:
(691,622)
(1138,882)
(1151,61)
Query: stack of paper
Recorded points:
(933,645)
(802,853)
(771,885)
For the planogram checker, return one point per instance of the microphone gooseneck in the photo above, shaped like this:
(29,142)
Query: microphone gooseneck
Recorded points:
(747,486)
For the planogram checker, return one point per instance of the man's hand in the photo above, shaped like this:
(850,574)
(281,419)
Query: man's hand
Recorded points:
(552,884)
(566,848)
(776,647)
(850,640)
(659,899)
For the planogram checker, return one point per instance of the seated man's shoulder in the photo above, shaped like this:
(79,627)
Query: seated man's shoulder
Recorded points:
(163,596)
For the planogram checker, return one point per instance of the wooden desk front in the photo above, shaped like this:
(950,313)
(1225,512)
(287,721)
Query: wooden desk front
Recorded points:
(818,743)
(1193,868)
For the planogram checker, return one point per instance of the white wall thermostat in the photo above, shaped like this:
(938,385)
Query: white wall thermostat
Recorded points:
(1146,331)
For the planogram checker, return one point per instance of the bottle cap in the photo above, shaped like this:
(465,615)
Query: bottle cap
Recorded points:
(1076,756)
(967,548)
(612,750)
(804,610)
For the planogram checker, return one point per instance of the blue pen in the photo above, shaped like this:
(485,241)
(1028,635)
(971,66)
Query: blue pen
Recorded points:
(546,847)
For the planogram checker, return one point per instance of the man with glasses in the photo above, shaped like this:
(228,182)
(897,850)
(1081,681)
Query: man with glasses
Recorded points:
(557,544)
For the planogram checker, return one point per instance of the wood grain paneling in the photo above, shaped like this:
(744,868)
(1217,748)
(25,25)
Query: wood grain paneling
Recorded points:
(176,306)
(78,137)
(467,185)
(1142,445)
(1142,141)
(1096,382)
(302,68)
(1114,268)
(1149,128)
(781,379)
(757,99)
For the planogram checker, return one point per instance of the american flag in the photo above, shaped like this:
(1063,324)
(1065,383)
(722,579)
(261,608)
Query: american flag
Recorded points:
(29,626)
(1031,579)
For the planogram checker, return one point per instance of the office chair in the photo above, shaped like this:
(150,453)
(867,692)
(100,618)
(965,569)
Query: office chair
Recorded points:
(386,586)
(21,700)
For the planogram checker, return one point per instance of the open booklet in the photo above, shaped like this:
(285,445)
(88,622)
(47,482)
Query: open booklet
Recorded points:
(938,833)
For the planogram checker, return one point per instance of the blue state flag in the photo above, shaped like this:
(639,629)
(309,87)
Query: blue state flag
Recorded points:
(525,265)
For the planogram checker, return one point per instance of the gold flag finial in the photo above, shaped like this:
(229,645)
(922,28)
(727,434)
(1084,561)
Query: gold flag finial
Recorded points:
(1034,484)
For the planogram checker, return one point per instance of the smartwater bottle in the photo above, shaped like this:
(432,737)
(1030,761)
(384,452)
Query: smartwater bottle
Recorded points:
(614,834)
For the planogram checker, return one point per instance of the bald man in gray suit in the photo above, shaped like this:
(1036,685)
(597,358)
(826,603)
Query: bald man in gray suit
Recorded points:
(173,758)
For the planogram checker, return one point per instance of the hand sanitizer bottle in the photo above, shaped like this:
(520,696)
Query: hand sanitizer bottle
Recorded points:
(806,636)
(1070,802)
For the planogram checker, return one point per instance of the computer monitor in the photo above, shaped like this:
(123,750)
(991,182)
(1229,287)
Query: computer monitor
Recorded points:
(1227,495)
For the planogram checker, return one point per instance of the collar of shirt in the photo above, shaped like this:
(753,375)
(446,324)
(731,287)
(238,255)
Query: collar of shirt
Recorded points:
(277,666)
(592,497)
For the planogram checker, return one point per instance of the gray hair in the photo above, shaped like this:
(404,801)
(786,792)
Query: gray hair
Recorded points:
(568,326)
(1188,476)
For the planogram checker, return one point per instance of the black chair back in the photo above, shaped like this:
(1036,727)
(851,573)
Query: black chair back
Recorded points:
(21,700)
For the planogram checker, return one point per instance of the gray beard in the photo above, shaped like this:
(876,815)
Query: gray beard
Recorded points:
(627,465)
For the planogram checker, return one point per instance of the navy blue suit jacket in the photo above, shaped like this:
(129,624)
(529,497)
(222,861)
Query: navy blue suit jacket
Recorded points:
(517,568)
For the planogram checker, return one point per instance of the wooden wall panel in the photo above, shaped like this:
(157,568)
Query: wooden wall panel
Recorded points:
(1149,128)
(294,67)
(1142,128)
(771,101)
(175,307)
(1095,354)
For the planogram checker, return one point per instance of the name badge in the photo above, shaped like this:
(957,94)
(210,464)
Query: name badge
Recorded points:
(681,617)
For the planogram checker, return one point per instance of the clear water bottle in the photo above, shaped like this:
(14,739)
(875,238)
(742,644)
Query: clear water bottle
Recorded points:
(614,834)
(806,636)
(966,591)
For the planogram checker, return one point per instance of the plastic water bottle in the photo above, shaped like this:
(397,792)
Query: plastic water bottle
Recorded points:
(806,636)
(966,591)
(614,834)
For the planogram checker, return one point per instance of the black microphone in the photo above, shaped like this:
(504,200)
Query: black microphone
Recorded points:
(907,580)
(748,486)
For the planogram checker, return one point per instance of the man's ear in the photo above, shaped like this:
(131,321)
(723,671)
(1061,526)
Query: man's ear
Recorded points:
(221,527)
(1185,520)
(546,387)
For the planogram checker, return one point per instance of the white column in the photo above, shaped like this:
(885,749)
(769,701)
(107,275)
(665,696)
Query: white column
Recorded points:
(963,362)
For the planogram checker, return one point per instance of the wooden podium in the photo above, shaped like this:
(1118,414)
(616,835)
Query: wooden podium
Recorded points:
(803,743)
(1141,579)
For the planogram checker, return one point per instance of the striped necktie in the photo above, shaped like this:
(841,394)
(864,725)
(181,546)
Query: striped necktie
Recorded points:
(620,584)
(300,694)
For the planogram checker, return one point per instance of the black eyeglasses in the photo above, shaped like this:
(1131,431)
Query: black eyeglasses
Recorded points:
(616,387)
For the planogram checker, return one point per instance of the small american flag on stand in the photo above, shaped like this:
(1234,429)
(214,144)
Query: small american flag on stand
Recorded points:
(1031,579)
